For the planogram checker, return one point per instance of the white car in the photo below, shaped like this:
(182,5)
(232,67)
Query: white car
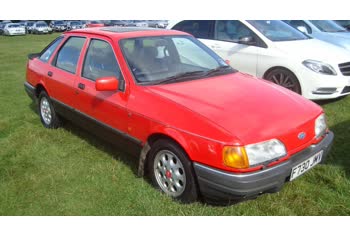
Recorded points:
(275,51)
(41,28)
(12,29)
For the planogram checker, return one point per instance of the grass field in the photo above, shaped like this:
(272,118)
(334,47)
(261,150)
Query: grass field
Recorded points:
(70,172)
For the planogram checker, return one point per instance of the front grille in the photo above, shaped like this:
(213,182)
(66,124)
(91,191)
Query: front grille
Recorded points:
(345,68)
(346,90)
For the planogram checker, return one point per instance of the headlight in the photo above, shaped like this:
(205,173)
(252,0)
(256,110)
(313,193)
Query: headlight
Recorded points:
(265,151)
(320,126)
(253,154)
(319,67)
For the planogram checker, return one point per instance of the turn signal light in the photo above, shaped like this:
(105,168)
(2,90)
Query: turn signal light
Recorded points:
(235,157)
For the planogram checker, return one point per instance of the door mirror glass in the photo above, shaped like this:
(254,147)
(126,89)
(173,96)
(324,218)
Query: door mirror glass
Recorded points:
(107,84)
(248,40)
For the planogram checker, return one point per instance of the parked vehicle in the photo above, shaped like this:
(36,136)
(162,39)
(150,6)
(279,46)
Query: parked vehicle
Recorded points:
(119,23)
(136,23)
(197,125)
(2,26)
(58,25)
(344,23)
(41,27)
(29,26)
(12,29)
(325,30)
(94,23)
(157,23)
(71,25)
(277,52)
(6,21)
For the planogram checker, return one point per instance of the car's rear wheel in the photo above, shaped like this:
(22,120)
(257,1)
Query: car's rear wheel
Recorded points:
(47,113)
(284,78)
(171,171)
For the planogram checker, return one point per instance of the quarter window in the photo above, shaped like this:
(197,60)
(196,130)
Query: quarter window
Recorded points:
(198,28)
(68,56)
(47,53)
(100,61)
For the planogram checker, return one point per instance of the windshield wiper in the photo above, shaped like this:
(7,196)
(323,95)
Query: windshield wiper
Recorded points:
(217,70)
(180,76)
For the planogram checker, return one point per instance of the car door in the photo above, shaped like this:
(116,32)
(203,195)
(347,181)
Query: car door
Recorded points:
(228,44)
(62,72)
(104,107)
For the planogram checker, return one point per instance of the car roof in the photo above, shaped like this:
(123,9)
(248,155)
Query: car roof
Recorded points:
(127,32)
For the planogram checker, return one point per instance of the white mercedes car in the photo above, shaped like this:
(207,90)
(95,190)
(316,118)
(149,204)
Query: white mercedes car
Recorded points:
(277,52)
(12,29)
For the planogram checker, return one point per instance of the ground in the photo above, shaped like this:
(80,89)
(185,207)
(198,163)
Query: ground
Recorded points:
(70,172)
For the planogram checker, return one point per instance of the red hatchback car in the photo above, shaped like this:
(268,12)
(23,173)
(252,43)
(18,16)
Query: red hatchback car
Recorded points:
(198,126)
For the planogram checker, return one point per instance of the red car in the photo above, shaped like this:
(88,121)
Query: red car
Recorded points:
(198,127)
(92,24)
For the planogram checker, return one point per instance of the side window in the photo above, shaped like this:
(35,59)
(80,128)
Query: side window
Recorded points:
(231,30)
(68,56)
(100,61)
(198,28)
(300,23)
(50,49)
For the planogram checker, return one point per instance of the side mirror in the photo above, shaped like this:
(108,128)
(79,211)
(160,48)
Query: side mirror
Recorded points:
(302,29)
(107,84)
(248,40)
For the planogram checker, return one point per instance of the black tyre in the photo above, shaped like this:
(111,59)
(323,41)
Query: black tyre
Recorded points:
(284,78)
(47,113)
(171,171)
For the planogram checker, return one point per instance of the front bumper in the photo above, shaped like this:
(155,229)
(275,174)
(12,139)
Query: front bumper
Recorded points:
(221,185)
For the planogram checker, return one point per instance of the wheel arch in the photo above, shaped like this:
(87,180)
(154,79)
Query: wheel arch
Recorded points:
(283,68)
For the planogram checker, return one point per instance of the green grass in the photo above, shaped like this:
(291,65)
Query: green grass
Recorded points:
(70,172)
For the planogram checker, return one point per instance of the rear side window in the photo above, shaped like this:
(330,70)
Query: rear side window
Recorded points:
(198,28)
(68,56)
(50,49)
(100,61)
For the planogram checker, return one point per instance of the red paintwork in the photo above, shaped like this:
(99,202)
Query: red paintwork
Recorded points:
(203,116)
(107,84)
(93,25)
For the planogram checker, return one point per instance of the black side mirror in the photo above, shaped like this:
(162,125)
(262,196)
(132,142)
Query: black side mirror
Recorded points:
(248,40)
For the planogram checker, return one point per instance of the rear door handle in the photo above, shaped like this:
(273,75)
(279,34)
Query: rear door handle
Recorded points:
(49,73)
(81,86)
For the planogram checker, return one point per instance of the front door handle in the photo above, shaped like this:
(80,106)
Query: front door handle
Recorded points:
(81,86)
(49,73)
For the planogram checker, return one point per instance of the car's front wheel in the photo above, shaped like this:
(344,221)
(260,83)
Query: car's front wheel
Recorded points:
(171,171)
(284,78)
(48,116)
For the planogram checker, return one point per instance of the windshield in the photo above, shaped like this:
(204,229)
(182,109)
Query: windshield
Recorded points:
(276,30)
(41,25)
(14,26)
(327,26)
(155,60)
(58,22)
(30,24)
(74,23)
(96,22)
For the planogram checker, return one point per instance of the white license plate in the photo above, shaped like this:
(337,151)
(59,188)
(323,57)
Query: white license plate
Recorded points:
(306,165)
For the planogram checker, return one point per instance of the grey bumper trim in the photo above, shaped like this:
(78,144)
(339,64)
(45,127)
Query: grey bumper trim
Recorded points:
(218,184)
(30,90)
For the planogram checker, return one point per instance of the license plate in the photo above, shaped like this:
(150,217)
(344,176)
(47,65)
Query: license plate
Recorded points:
(306,165)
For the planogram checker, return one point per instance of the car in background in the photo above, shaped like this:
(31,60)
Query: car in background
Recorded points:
(12,29)
(199,127)
(119,23)
(94,23)
(6,21)
(2,26)
(275,51)
(325,30)
(136,23)
(29,26)
(344,23)
(71,25)
(157,23)
(41,27)
(58,25)
(23,24)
